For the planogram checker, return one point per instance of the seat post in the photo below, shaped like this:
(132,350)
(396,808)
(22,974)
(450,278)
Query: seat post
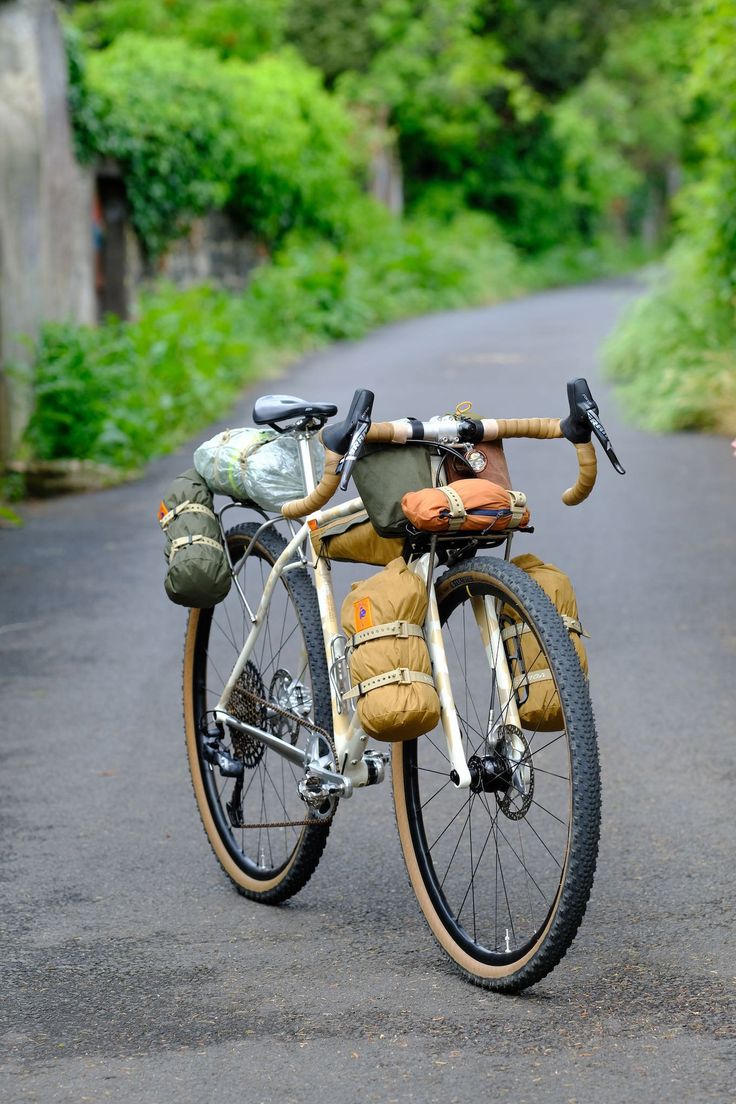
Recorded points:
(305,456)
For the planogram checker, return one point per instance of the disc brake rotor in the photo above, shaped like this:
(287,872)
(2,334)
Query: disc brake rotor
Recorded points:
(512,747)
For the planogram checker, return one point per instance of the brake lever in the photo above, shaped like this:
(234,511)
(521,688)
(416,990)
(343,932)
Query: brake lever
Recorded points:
(605,441)
(355,449)
(583,419)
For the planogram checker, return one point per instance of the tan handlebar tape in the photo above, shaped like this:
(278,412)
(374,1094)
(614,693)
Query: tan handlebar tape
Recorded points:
(389,432)
(539,428)
(545,429)
(588,469)
(321,494)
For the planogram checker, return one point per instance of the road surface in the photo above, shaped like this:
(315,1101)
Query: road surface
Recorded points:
(131,971)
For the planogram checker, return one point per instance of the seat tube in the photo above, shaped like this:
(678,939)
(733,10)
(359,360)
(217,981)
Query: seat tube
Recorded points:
(327,609)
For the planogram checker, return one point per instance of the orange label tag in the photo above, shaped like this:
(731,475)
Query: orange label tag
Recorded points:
(162,510)
(363,614)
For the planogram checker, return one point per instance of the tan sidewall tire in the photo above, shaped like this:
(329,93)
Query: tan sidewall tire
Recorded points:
(440,932)
(454,950)
(254,885)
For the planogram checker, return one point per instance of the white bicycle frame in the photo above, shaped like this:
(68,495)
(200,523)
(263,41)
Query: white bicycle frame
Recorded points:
(350,740)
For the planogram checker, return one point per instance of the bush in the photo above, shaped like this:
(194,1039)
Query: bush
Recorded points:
(297,154)
(124,393)
(165,115)
(194,133)
(675,353)
(235,28)
(674,368)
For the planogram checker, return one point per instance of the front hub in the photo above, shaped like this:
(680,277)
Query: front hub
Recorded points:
(489,773)
(507,771)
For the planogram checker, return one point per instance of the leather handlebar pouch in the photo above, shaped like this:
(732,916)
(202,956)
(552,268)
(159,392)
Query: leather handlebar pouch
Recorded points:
(389,662)
(486,460)
(537,698)
(467,506)
(199,574)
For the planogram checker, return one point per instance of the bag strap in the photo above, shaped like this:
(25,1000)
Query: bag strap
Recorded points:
(400,629)
(517,504)
(401,675)
(184,542)
(185,508)
(520,627)
(457,511)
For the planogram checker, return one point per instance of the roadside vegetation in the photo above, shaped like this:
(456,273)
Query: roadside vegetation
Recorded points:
(675,354)
(540,143)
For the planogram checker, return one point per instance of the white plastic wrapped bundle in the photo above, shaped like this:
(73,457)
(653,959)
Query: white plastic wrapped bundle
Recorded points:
(260,465)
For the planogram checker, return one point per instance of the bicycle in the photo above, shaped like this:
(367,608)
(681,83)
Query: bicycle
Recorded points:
(498,824)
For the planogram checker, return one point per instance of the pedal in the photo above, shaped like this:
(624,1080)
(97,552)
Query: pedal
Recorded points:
(375,762)
(226,764)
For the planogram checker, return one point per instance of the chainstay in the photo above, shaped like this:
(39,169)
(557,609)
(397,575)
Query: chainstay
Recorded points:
(302,722)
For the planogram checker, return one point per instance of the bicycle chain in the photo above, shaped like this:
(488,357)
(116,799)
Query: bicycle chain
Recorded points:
(302,722)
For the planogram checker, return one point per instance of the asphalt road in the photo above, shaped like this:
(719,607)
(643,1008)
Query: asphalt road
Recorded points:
(131,971)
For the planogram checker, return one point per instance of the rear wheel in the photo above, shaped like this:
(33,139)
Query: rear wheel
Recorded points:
(255,822)
(502,870)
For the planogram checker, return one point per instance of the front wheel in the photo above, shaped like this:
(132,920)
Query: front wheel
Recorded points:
(503,870)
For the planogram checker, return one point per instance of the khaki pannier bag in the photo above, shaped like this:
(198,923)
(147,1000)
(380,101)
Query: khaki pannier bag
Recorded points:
(539,702)
(353,539)
(390,667)
(199,574)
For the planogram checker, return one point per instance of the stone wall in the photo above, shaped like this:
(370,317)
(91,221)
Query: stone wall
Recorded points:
(46,264)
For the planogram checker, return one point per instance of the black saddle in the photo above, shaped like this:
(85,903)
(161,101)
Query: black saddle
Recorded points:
(271,409)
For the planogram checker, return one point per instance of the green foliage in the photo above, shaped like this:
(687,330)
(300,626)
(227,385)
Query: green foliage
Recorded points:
(234,28)
(194,133)
(674,368)
(83,106)
(443,85)
(124,393)
(520,107)
(9,517)
(621,131)
(675,353)
(166,116)
(709,207)
(318,292)
(557,43)
(297,156)
(334,37)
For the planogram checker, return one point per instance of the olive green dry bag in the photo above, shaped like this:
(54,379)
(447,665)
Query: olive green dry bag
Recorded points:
(199,574)
(383,476)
